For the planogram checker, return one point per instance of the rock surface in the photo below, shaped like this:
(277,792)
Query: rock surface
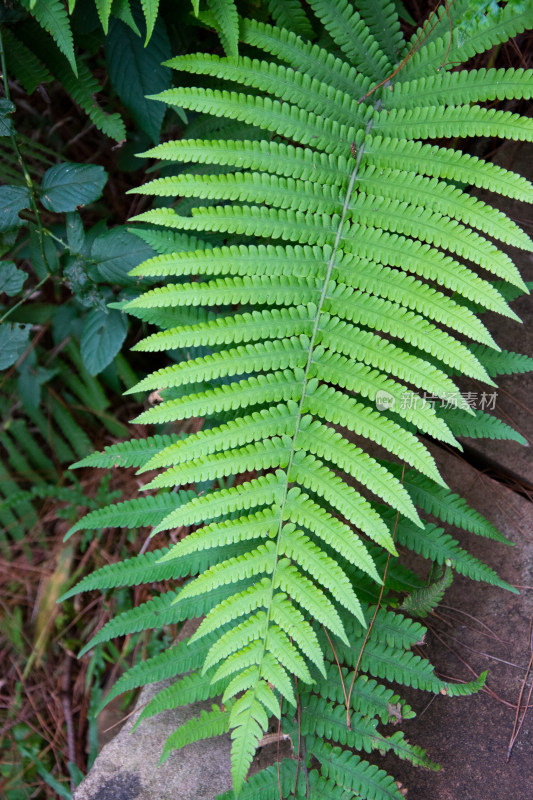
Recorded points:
(513,402)
(127,768)
(469,736)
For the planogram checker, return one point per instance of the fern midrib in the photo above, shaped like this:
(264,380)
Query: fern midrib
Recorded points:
(305,379)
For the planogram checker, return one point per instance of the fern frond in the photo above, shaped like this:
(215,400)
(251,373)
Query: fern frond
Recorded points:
(351,772)
(483,426)
(244,528)
(446,199)
(275,421)
(441,548)
(502,363)
(225,17)
(266,783)
(318,439)
(368,697)
(298,547)
(340,409)
(131,453)
(273,387)
(178,659)
(328,721)
(139,512)
(22,63)
(83,88)
(421,602)
(472,34)
(435,122)
(159,611)
(383,21)
(462,87)
(287,120)
(264,490)
(300,509)
(283,82)
(315,61)
(440,162)
(188,689)
(447,506)
(267,454)
(52,16)
(289,14)
(350,32)
(131,572)
(150,9)
(208,724)
(249,722)
(319,282)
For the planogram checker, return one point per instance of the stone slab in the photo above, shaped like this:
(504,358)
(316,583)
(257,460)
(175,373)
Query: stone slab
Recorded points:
(514,403)
(127,768)
(469,736)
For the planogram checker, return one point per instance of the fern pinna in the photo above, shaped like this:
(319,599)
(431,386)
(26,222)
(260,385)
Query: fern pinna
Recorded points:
(324,264)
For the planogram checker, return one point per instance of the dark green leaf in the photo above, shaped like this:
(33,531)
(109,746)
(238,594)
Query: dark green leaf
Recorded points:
(115,254)
(13,342)
(29,383)
(12,200)
(135,71)
(6,124)
(11,278)
(67,186)
(101,339)
(75,232)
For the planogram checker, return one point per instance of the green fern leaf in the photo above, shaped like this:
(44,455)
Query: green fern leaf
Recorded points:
(442,549)
(139,512)
(502,363)
(132,453)
(472,34)
(224,13)
(103,7)
(179,659)
(462,87)
(316,61)
(289,14)
(150,9)
(188,689)
(52,16)
(22,63)
(350,771)
(266,783)
(483,426)
(440,162)
(351,34)
(384,24)
(208,724)
(447,506)
(423,601)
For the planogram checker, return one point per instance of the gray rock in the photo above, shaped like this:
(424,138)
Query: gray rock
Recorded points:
(513,402)
(127,768)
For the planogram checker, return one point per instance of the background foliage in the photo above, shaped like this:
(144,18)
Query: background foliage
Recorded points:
(71,120)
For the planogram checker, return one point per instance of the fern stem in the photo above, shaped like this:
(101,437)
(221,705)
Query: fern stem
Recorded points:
(367,635)
(305,379)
